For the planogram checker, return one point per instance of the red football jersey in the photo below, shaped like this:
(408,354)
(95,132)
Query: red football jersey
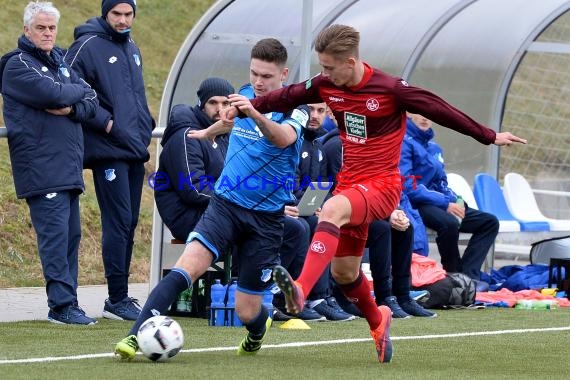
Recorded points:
(371,118)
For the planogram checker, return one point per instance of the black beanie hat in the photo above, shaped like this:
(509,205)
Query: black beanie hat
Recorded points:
(107,5)
(213,87)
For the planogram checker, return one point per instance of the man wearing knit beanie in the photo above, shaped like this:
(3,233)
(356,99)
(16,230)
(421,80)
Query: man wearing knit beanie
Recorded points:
(107,5)
(213,87)
(116,139)
(181,206)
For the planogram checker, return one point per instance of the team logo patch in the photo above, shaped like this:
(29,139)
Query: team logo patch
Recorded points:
(137,59)
(318,247)
(372,104)
(266,275)
(64,71)
(110,174)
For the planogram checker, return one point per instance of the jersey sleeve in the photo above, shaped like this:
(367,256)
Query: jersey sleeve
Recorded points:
(423,102)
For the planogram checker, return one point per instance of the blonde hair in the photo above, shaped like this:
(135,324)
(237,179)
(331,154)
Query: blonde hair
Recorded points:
(338,40)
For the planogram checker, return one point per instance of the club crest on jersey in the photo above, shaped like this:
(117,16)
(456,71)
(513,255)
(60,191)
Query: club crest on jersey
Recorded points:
(372,104)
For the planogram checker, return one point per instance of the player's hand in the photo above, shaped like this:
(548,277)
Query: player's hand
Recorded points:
(201,134)
(456,210)
(292,211)
(507,138)
(227,115)
(243,104)
(399,221)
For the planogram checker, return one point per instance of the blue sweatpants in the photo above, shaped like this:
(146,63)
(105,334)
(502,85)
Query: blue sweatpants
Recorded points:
(55,218)
(118,186)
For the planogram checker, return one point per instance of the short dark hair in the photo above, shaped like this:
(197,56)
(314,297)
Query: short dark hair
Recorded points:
(270,50)
(338,40)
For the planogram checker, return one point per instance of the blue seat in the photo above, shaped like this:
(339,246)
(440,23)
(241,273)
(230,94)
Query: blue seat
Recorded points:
(490,198)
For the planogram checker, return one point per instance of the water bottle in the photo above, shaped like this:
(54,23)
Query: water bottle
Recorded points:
(267,301)
(184,302)
(461,203)
(231,305)
(544,305)
(217,295)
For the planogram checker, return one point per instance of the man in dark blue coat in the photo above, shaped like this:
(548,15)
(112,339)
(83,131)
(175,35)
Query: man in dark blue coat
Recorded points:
(116,139)
(188,167)
(44,105)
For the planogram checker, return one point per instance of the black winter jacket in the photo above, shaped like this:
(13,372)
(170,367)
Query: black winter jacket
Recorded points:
(312,161)
(112,64)
(46,150)
(188,170)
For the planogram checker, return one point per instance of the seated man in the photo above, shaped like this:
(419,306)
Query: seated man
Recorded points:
(422,158)
(189,167)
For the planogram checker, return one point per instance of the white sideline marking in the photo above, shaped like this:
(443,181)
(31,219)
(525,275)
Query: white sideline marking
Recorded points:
(295,344)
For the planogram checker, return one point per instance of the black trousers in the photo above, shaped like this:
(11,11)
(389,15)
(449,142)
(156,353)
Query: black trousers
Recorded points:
(118,186)
(390,255)
(482,225)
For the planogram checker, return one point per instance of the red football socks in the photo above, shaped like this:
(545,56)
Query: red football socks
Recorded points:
(358,293)
(321,252)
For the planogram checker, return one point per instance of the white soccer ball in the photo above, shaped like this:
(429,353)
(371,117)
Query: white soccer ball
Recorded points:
(160,338)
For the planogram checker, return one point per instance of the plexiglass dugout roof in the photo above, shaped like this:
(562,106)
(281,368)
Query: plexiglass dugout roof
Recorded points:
(465,51)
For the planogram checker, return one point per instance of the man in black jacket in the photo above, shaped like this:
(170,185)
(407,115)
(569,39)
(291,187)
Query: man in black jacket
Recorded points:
(44,104)
(188,167)
(116,139)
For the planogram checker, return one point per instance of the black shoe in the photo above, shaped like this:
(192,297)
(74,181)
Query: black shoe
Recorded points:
(397,311)
(332,311)
(413,308)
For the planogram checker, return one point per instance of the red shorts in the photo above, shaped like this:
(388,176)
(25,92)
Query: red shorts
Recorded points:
(372,200)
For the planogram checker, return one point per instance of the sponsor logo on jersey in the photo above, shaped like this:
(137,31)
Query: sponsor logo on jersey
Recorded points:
(300,116)
(335,99)
(355,127)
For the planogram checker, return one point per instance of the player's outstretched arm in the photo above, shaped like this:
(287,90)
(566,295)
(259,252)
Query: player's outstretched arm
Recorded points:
(507,138)
(220,127)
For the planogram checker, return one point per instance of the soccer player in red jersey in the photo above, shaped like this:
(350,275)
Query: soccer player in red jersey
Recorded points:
(370,108)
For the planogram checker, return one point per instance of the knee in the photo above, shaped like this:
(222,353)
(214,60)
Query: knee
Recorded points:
(343,277)
(492,224)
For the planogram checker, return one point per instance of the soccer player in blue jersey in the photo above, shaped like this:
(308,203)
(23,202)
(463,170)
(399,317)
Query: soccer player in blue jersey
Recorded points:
(247,209)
